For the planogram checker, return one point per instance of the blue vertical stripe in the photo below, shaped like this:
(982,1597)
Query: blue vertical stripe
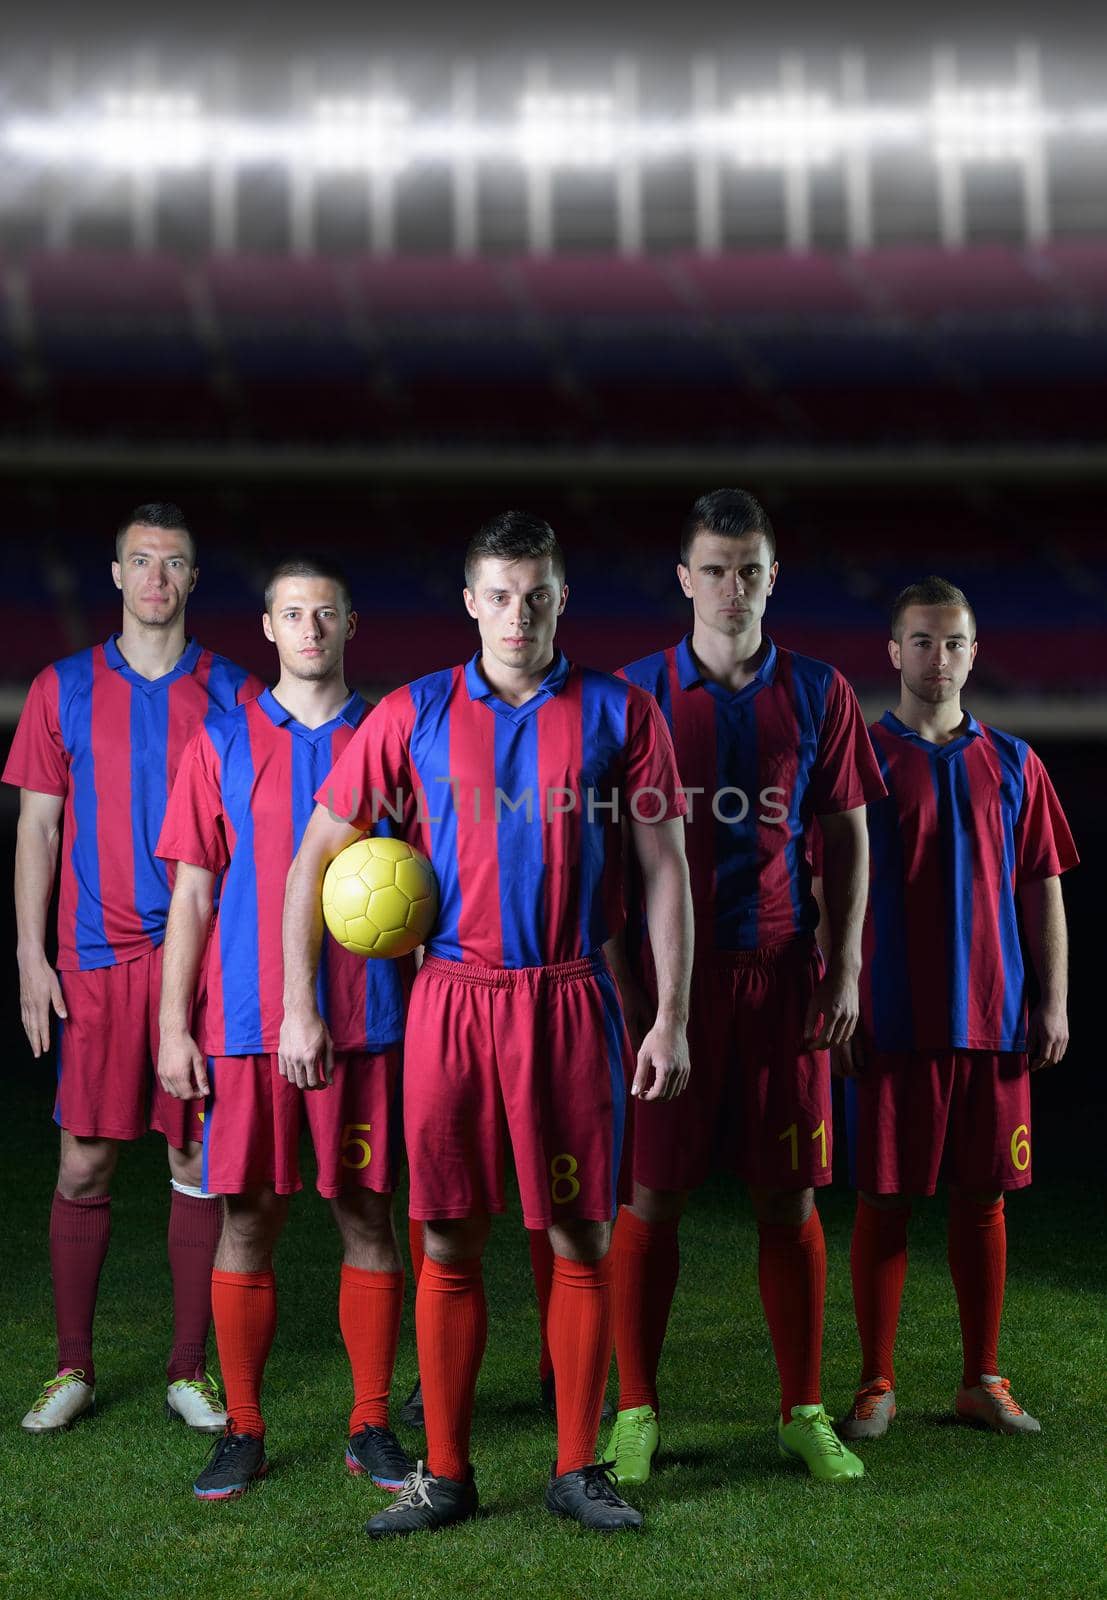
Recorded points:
(600,697)
(238,909)
(893,1022)
(75,714)
(519,857)
(308,774)
(955,830)
(1012,758)
(810,682)
(149,798)
(209,1114)
(736,864)
(613,1036)
(224,681)
(430,755)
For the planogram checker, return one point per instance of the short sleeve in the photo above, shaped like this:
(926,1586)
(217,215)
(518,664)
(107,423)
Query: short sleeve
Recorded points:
(1044,845)
(193,830)
(652,782)
(845,773)
(371,779)
(249,689)
(38,758)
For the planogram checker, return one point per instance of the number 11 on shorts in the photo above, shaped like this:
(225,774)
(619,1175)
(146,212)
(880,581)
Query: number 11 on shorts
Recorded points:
(791,1133)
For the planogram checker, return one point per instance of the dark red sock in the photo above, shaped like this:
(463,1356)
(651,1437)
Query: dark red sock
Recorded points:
(645,1265)
(791,1272)
(878,1266)
(451,1327)
(244,1305)
(978,1267)
(194,1229)
(415,1245)
(79,1234)
(369,1307)
(541,1265)
(581,1332)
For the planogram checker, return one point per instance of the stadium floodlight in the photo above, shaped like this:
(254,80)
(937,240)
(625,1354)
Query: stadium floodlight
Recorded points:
(987,126)
(781,130)
(567,130)
(132,131)
(351,135)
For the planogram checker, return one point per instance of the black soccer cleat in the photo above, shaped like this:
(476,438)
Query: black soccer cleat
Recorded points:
(238,1460)
(588,1496)
(425,1503)
(411,1412)
(378,1452)
(547,1387)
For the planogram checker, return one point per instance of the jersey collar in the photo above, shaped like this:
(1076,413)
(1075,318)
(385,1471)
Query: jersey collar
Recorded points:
(185,665)
(691,677)
(350,713)
(973,730)
(553,683)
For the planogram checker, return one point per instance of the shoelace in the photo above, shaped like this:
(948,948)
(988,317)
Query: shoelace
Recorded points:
(631,1431)
(206,1387)
(1002,1393)
(828,1441)
(866,1400)
(599,1482)
(415,1489)
(51,1388)
(390,1451)
(226,1445)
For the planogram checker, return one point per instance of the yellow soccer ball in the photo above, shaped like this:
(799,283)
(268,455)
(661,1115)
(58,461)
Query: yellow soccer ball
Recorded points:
(380,897)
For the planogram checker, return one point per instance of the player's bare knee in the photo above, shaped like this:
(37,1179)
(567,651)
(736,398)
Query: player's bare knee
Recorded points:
(186,1165)
(581,1241)
(86,1166)
(456,1239)
(658,1205)
(252,1224)
(976,1197)
(786,1208)
(365,1222)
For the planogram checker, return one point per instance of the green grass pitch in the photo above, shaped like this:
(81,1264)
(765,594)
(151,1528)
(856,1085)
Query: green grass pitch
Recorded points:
(106,1511)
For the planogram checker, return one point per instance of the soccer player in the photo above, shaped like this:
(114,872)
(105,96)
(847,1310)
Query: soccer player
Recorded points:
(95,754)
(765,741)
(970,842)
(238,810)
(509,772)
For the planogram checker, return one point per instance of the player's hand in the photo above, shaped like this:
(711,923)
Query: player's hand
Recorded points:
(182,1070)
(39,991)
(832,1011)
(663,1067)
(848,1060)
(306,1050)
(1047,1036)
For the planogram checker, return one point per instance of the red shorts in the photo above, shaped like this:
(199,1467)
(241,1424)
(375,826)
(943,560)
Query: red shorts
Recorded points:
(107,1053)
(540,1051)
(253,1118)
(758,1102)
(963,1115)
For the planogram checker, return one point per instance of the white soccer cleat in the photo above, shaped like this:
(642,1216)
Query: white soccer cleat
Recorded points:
(62,1401)
(990,1404)
(196,1402)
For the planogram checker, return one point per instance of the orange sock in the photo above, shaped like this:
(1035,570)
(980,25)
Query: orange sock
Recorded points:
(451,1326)
(978,1267)
(415,1245)
(645,1265)
(791,1272)
(244,1307)
(369,1307)
(581,1330)
(878,1266)
(541,1265)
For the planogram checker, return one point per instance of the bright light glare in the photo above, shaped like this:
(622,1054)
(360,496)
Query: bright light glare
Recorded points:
(350,135)
(133,132)
(784,130)
(567,130)
(984,125)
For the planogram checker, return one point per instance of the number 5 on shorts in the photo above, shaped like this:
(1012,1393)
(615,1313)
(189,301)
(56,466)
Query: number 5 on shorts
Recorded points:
(360,1153)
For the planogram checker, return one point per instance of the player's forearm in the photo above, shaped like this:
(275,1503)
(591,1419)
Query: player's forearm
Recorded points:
(186,935)
(36,860)
(845,886)
(669,916)
(1043,910)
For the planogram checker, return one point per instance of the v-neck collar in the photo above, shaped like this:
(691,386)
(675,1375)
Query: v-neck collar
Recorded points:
(690,675)
(973,730)
(184,665)
(479,689)
(350,713)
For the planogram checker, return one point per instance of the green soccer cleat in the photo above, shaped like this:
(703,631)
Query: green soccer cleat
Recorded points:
(810,1438)
(633,1443)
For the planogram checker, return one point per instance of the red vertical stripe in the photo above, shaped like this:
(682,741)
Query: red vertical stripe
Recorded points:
(986,975)
(110,739)
(67,878)
(560,762)
(695,741)
(473,767)
(924,889)
(778,741)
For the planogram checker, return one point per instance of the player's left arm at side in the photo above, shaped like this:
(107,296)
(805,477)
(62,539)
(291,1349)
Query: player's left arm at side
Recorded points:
(306,1053)
(181,1067)
(662,1070)
(845,878)
(1043,916)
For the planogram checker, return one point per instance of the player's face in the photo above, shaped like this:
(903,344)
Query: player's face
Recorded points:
(517,604)
(935,652)
(155,573)
(309,625)
(728,580)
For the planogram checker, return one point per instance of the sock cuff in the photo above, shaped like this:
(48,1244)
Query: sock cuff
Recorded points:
(454,1271)
(244,1280)
(633,1230)
(789,1233)
(587,1274)
(881,1219)
(82,1202)
(964,1209)
(190,1192)
(365,1278)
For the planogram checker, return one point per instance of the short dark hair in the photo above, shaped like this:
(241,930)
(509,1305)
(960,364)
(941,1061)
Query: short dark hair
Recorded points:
(513,536)
(932,591)
(731,512)
(309,567)
(156,514)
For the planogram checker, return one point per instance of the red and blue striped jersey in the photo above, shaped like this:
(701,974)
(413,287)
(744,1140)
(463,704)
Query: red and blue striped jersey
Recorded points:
(964,824)
(108,741)
(518,807)
(758,764)
(239,807)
